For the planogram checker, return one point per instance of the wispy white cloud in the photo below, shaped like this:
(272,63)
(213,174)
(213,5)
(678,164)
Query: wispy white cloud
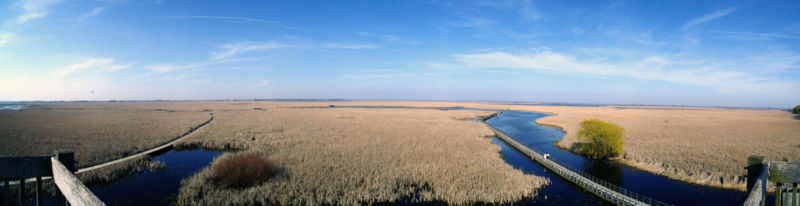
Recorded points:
(33,9)
(238,19)
(350,46)
(708,17)
(654,67)
(6,37)
(261,83)
(95,65)
(387,38)
(238,52)
(229,50)
(94,12)
(164,68)
(755,35)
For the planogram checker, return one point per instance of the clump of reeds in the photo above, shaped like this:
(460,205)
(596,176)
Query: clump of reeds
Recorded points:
(241,170)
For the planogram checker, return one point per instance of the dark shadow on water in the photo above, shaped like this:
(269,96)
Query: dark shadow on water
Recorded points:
(609,171)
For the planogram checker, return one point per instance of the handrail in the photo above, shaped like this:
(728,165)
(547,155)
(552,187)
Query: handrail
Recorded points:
(756,196)
(72,188)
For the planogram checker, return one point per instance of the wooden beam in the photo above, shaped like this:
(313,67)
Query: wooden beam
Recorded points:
(784,172)
(757,194)
(24,167)
(754,165)
(72,188)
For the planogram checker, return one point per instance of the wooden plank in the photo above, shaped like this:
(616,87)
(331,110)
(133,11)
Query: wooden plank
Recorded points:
(784,172)
(72,188)
(758,192)
(24,167)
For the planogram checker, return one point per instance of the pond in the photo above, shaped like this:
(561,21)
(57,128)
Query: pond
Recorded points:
(156,187)
(152,187)
(13,106)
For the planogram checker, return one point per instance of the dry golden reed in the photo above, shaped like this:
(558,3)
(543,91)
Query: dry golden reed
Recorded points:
(358,156)
(96,132)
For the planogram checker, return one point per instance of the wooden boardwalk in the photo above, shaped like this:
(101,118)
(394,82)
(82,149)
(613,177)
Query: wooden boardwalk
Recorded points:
(162,147)
(605,190)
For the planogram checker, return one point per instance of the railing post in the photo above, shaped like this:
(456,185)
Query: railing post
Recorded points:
(21,192)
(7,192)
(794,195)
(754,165)
(778,195)
(38,190)
(67,158)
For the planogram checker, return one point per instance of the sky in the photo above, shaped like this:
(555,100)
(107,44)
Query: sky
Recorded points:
(701,53)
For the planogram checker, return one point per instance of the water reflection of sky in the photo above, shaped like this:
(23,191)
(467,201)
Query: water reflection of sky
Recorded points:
(157,187)
(13,106)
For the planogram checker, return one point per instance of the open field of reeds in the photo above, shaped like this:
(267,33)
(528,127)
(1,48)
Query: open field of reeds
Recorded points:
(355,156)
(96,132)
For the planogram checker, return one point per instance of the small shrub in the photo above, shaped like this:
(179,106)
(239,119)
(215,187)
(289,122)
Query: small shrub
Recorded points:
(241,170)
(601,139)
(796,109)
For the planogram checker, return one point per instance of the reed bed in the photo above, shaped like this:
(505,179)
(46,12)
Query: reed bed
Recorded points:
(357,156)
(96,132)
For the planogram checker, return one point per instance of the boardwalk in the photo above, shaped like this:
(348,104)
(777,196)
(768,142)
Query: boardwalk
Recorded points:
(163,147)
(600,188)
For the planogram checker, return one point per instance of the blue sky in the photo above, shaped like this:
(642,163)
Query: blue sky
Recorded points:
(714,53)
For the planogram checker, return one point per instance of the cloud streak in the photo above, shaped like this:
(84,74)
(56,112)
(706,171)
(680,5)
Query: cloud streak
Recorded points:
(5,37)
(708,17)
(229,50)
(34,9)
(350,46)
(96,65)
(659,68)
(94,12)
(238,19)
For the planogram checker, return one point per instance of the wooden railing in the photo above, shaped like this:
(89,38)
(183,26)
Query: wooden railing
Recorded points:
(60,166)
(785,175)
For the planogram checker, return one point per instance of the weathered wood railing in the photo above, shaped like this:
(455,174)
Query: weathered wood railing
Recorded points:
(60,166)
(785,175)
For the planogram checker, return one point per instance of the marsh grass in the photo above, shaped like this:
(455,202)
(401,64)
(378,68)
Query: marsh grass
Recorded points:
(96,132)
(335,156)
